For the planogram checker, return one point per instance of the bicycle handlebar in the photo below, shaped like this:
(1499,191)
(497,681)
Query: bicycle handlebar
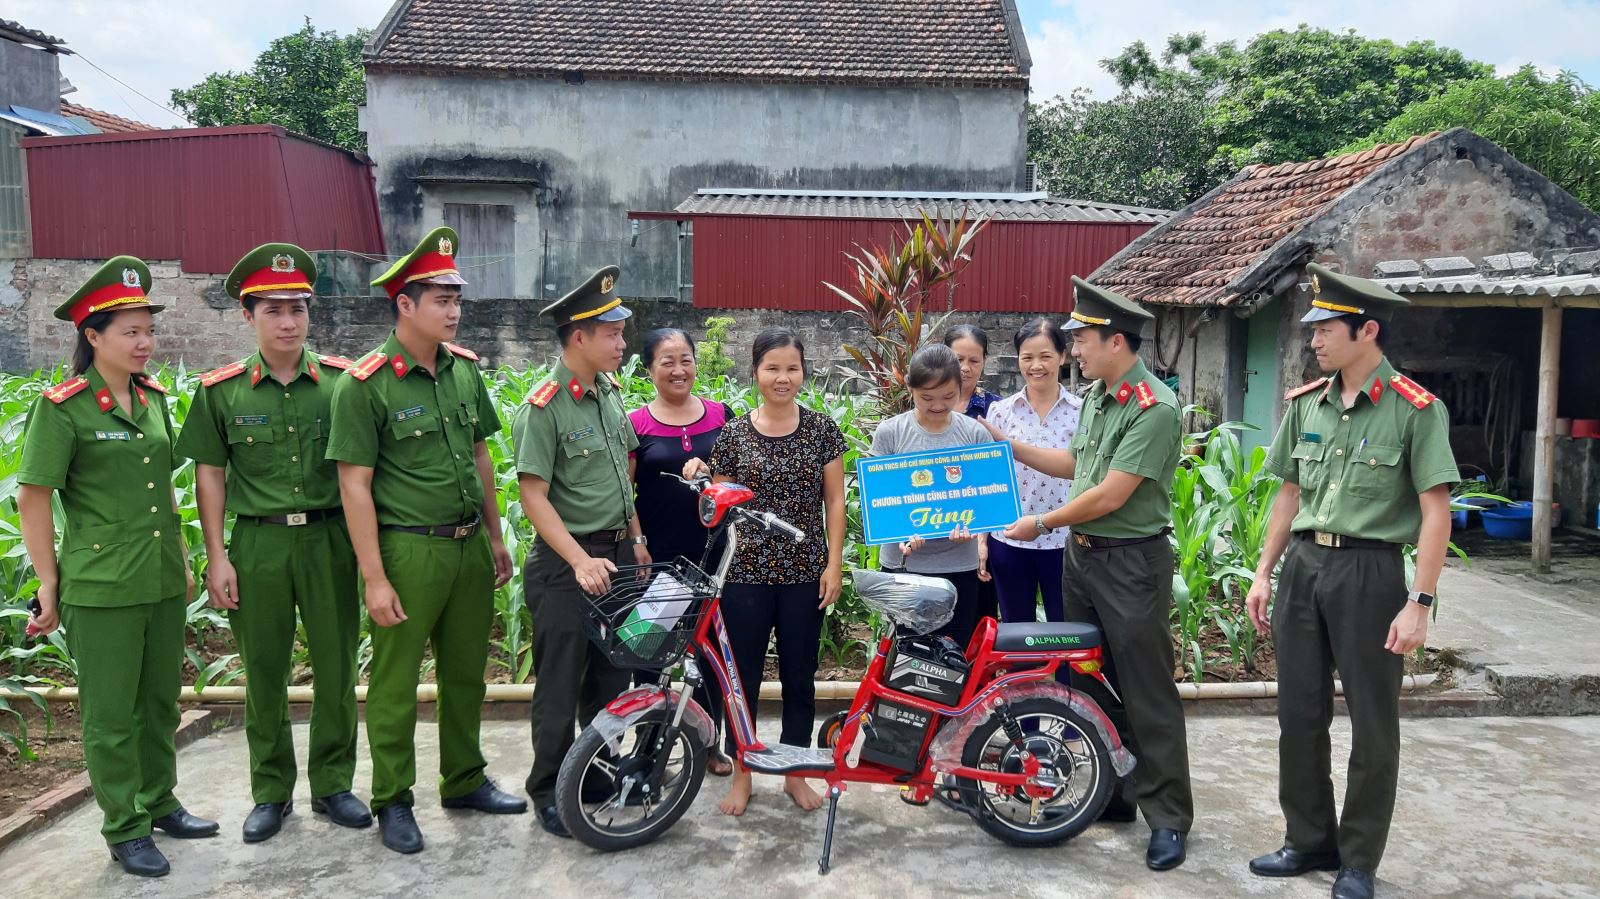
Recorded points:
(767,521)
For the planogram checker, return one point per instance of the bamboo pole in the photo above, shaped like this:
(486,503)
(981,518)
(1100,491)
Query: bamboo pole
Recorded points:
(828,690)
(1544,435)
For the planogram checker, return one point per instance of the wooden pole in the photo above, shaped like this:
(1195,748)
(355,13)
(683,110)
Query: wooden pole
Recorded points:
(1544,435)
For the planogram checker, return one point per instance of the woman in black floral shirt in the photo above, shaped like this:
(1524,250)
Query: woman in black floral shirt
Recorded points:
(793,458)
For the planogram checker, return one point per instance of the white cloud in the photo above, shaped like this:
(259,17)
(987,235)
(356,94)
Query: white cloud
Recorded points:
(1068,39)
(156,46)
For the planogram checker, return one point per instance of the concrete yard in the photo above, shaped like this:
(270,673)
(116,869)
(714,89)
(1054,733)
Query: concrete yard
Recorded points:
(1491,807)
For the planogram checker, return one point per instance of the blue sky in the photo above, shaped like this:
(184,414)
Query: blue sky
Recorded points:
(153,46)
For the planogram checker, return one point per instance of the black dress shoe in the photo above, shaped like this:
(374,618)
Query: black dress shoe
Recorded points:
(179,823)
(1354,884)
(400,831)
(1289,862)
(343,809)
(1166,849)
(550,820)
(265,820)
(1119,811)
(488,798)
(140,857)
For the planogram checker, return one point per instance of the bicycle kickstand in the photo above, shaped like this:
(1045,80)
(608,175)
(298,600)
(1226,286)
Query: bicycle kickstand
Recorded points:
(827,839)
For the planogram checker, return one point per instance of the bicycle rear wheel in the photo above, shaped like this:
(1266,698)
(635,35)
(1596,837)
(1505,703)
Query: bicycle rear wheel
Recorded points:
(608,800)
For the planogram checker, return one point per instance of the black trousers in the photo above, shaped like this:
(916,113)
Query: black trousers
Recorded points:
(753,613)
(967,612)
(573,679)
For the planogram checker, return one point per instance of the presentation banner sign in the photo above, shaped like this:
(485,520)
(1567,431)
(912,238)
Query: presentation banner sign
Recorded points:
(931,494)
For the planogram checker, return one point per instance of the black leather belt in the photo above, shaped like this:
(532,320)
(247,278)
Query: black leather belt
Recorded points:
(446,531)
(1340,541)
(296,519)
(1090,541)
(602,537)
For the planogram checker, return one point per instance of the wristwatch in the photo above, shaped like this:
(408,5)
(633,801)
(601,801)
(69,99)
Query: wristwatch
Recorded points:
(1422,599)
(641,540)
(1038,524)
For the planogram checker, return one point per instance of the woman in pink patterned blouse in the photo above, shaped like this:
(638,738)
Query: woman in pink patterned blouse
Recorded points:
(1043,413)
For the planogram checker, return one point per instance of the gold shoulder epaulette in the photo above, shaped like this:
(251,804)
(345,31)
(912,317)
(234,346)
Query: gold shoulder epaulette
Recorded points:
(364,369)
(67,389)
(1304,389)
(1412,391)
(546,392)
(218,375)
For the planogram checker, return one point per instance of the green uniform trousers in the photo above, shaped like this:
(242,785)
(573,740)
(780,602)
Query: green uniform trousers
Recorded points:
(130,662)
(446,588)
(1126,591)
(1333,610)
(280,568)
(573,678)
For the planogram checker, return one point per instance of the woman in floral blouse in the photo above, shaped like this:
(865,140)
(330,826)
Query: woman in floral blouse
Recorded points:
(1043,413)
(793,458)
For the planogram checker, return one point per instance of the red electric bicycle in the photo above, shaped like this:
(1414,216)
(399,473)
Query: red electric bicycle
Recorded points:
(990,731)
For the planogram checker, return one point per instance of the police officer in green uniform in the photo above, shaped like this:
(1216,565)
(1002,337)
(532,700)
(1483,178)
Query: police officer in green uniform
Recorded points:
(257,430)
(409,424)
(120,582)
(1365,457)
(572,441)
(1119,562)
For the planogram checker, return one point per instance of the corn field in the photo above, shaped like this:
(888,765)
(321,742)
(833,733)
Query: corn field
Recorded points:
(1222,497)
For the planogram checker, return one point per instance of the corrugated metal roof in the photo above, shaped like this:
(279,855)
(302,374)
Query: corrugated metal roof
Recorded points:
(23,34)
(1533,286)
(1013,207)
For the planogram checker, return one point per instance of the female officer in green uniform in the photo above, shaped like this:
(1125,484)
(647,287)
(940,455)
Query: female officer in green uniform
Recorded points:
(121,581)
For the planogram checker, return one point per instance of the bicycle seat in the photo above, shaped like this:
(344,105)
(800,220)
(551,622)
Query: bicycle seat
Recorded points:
(1037,636)
(915,603)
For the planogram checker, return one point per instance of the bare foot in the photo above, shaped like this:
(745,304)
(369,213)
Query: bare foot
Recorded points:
(802,794)
(738,795)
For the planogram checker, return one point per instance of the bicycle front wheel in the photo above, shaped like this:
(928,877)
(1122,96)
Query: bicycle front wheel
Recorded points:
(610,800)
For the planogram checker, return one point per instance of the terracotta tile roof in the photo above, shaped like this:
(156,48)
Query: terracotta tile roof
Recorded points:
(968,42)
(1203,253)
(105,121)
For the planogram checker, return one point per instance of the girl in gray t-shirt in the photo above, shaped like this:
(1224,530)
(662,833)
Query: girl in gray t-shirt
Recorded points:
(936,422)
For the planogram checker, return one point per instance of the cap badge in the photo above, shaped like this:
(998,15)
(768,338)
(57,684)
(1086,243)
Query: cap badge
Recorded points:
(1316,288)
(607,283)
(282,263)
(446,247)
(130,277)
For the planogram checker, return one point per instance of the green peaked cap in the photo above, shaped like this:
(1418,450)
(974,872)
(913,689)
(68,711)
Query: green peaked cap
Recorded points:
(431,261)
(594,300)
(1333,295)
(1096,306)
(270,268)
(121,283)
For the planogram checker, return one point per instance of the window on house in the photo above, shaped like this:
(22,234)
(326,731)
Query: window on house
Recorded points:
(488,247)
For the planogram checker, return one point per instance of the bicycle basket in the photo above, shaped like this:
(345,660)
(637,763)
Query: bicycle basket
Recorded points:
(649,616)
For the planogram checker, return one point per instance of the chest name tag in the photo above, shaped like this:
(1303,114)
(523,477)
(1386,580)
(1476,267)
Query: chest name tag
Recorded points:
(1309,437)
(580,433)
(111,435)
(250,419)
(408,414)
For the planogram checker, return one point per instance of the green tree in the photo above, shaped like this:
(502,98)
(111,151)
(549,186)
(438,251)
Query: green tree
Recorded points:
(309,81)
(1192,114)
(1551,124)
(1293,95)
(1143,149)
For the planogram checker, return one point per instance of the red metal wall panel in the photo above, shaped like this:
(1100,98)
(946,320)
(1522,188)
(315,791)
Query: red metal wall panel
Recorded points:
(749,262)
(204,196)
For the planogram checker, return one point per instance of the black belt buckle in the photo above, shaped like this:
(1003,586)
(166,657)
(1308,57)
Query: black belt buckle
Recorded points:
(463,531)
